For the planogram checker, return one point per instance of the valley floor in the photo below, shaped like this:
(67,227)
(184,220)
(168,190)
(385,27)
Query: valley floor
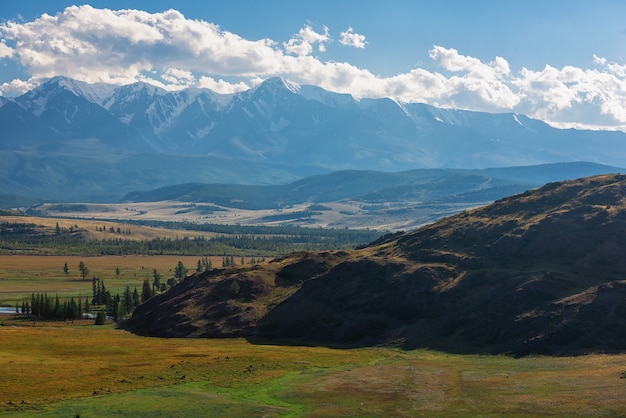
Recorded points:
(65,369)
(345,214)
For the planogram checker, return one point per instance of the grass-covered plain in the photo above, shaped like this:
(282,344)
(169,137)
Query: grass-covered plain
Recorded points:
(87,370)
(20,275)
(67,369)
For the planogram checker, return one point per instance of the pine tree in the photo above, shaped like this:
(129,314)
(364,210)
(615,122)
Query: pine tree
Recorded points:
(146,291)
(180,271)
(94,291)
(127,301)
(84,271)
(101,318)
(156,284)
(234,288)
(57,311)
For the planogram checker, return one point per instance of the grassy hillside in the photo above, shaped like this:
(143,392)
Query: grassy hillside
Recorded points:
(539,272)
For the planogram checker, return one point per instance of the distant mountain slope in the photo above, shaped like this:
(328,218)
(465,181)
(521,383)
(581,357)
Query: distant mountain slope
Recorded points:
(539,272)
(425,185)
(287,129)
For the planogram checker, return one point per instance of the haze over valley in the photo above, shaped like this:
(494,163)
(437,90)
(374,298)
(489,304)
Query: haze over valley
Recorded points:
(394,165)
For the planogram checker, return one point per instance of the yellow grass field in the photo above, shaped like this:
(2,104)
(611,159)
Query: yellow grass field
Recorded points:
(79,369)
(87,370)
(20,275)
(88,226)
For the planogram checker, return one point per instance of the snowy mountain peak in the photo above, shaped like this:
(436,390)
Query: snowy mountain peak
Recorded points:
(326,97)
(131,93)
(141,88)
(284,123)
(278,84)
(96,93)
(36,100)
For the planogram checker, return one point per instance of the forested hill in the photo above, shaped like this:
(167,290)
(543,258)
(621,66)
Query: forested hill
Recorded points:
(538,272)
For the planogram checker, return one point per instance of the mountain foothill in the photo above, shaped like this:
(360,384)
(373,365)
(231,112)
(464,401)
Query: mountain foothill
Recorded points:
(539,272)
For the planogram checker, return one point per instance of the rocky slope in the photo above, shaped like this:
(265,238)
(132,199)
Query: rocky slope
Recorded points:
(539,272)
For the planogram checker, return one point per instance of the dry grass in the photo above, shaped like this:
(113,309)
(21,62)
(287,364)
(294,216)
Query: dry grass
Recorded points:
(47,364)
(20,275)
(88,227)
(436,384)
(344,214)
(90,368)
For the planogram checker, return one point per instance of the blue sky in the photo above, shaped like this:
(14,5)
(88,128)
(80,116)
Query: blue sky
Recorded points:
(563,61)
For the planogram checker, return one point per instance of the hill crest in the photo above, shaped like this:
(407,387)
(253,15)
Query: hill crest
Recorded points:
(538,272)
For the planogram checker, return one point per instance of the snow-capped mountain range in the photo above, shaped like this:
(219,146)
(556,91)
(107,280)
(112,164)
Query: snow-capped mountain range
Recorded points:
(66,131)
(283,123)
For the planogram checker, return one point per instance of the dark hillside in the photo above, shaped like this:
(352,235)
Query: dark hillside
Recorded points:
(539,272)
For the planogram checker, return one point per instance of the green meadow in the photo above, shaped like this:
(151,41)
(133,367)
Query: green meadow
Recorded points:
(65,369)
(75,368)
(20,275)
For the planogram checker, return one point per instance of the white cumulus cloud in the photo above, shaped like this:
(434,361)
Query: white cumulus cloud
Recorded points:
(5,51)
(303,42)
(171,51)
(221,86)
(350,38)
(101,45)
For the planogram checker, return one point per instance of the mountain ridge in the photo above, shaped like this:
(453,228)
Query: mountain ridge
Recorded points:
(278,127)
(278,120)
(372,186)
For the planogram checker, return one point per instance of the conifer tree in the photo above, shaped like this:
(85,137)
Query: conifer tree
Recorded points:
(84,271)
(180,271)
(146,291)
(127,301)
(101,318)
(156,283)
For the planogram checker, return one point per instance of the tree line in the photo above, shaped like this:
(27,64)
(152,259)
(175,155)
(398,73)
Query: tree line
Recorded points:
(25,239)
(103,303)
(43,306)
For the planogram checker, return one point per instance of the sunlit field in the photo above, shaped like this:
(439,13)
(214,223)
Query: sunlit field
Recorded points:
(76,368)
(22,275)
(87,370)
